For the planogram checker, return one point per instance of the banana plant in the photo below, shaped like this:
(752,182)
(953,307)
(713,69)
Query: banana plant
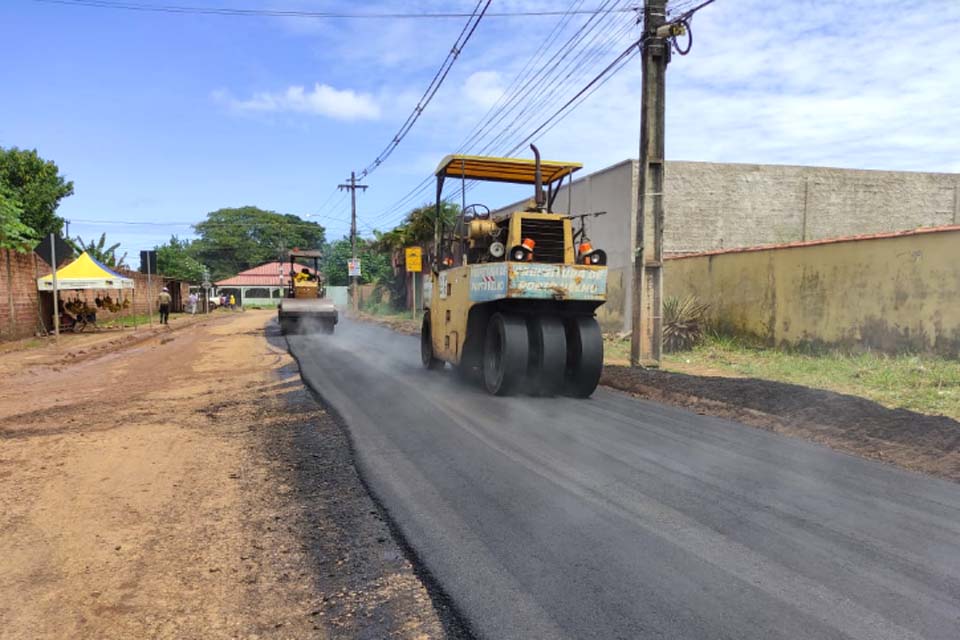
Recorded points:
(100,251)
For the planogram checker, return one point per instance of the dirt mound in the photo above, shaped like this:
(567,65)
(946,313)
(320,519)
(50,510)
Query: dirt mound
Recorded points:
(930,444)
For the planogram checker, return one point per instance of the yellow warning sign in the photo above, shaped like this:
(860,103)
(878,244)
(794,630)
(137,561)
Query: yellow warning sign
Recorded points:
(414,259)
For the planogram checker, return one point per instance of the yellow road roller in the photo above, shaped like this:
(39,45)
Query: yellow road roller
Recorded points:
(511,298)
(304,307)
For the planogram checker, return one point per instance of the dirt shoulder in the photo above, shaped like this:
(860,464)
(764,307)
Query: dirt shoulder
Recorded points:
(70,348)
(187,486)
(919,442)
(915,441)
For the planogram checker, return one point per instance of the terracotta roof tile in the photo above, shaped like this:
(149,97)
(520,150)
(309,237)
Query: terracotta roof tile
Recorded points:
(264,275)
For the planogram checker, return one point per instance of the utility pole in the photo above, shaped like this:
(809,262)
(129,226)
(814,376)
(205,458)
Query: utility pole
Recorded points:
(353,186)
(56,300)
(647,301)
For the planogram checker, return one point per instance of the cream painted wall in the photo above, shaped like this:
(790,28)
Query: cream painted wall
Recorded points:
(711,206)
(893,294)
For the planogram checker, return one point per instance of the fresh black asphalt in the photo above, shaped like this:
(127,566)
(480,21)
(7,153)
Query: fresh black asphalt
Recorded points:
(618,518)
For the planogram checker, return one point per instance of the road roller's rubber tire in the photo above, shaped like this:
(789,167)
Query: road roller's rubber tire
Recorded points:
(584,356)
(468,374)
(506,349)
(426,346)
(548,355)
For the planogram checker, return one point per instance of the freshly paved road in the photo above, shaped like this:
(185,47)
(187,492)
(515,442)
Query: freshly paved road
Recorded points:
(618,518)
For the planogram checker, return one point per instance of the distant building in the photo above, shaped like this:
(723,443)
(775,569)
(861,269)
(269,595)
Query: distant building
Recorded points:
(263,284)
(713,206)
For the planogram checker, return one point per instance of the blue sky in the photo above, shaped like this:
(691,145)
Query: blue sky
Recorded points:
(160,118)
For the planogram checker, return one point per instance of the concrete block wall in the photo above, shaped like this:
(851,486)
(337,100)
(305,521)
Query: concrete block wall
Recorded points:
(715,206)
(612,190)
(712,206)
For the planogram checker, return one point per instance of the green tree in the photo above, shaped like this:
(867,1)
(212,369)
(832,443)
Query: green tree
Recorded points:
(416,229)
(14,234)
(232,240)
(37,185)
(175,260)
(99,250)
(375,265)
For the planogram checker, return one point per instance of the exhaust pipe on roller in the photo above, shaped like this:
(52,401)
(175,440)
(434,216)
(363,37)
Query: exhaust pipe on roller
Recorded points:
(538,180)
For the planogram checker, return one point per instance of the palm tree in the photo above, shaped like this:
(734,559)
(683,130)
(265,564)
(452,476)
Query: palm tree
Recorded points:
(99,250)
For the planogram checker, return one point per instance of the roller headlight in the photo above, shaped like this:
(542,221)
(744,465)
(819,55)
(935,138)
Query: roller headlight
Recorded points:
(597,258)
(519,253)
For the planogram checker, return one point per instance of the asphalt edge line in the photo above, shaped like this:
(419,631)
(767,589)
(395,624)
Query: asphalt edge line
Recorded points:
(454,622)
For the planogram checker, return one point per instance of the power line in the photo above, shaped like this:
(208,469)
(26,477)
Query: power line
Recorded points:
(432,88)
(300,223)
(516,85)
(507,95)
(631,50)
(576,47)
(575,69)
(571,60)
(507,101)
(575,101)
(295,13)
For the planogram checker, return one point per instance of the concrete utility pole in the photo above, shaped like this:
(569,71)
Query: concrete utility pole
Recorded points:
(353,186)
(647,301)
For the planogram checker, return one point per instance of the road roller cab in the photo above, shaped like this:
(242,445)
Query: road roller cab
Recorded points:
(511,298)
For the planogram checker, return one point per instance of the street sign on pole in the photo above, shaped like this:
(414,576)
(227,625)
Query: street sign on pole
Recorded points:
(414,261)
(353,267)
(148,261)
(148,265)
(52,249)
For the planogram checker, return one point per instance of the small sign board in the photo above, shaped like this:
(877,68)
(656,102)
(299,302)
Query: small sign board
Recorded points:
(414,259)
(148,262)
(353,267)
(63,250)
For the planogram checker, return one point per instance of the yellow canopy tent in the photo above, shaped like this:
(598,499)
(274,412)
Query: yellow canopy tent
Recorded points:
(85,273)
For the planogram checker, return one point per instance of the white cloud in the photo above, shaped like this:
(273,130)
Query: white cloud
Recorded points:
(323,100)
(483,88)
(826,82)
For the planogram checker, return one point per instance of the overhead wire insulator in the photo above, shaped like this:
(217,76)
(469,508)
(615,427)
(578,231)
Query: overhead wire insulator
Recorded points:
(684,29)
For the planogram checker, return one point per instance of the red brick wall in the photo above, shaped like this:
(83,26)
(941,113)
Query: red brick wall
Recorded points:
(19,270)
(24,321)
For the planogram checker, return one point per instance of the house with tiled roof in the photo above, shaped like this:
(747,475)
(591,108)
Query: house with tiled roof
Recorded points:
(261,285)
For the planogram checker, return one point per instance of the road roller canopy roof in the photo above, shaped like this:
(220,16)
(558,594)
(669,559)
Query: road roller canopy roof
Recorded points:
(515,170)
(306,253)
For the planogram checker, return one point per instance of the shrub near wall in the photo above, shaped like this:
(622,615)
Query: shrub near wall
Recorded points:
(893,292)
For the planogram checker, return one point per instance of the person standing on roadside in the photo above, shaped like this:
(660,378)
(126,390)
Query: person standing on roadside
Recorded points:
(233,302)
(192,300)
(164,300)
